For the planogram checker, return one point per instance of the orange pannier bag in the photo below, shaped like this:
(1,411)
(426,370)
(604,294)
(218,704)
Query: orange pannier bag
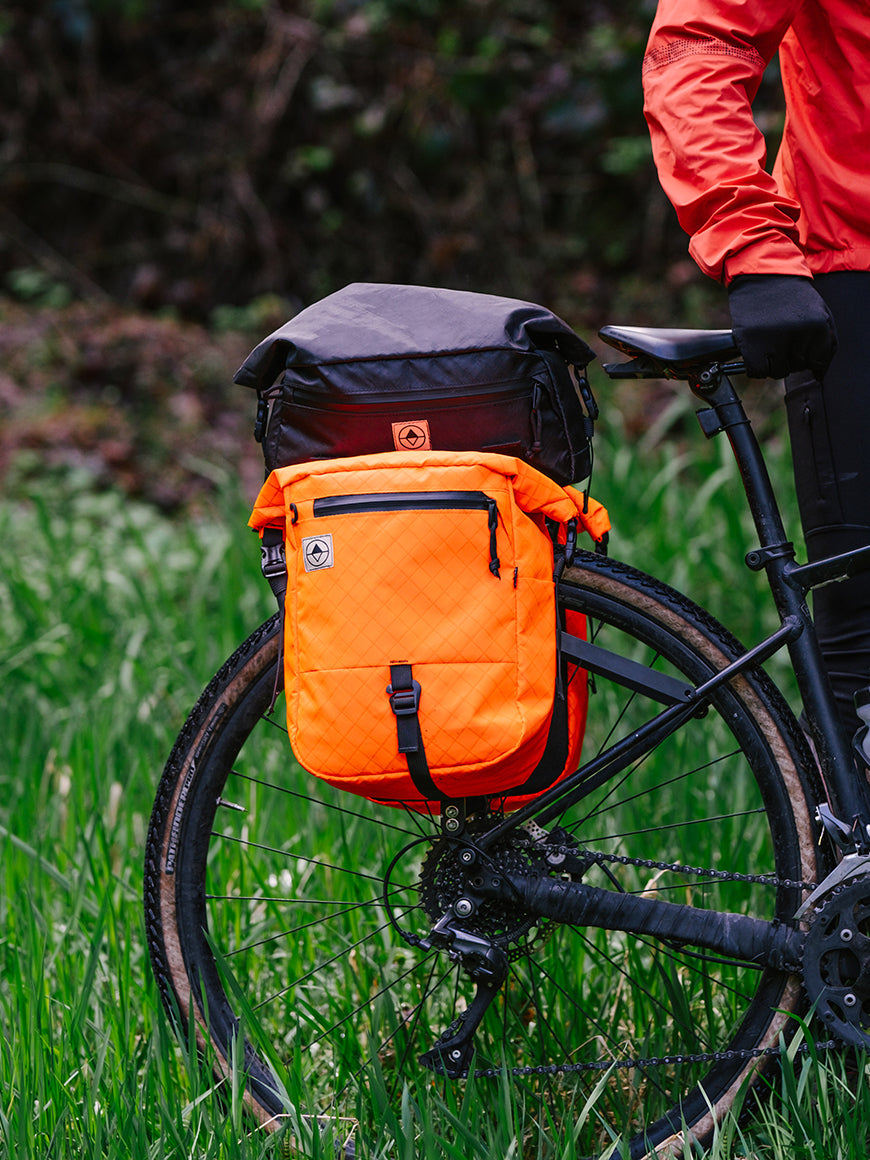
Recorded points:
(420,635)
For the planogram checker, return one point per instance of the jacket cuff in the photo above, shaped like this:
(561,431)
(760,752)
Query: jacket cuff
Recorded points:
(778,256)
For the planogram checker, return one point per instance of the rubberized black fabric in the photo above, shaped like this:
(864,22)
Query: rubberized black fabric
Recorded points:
(376,368)
(369,322)
(829,426)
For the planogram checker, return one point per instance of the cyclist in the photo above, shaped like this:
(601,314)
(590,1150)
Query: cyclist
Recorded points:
(792,247)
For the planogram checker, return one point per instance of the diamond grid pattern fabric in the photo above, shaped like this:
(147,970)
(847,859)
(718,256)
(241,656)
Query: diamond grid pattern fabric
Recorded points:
(408,585)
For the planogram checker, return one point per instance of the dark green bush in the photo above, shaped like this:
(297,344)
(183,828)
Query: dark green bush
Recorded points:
(202,154)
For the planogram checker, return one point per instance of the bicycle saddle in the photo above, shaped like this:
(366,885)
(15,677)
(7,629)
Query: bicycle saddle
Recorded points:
(674,347)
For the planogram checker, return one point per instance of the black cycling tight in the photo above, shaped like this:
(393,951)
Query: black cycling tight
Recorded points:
(829,425)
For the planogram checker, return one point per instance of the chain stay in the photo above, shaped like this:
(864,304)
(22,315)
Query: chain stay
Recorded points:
(666,1060)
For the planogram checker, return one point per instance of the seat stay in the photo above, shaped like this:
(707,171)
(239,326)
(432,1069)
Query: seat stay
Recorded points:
(618,757)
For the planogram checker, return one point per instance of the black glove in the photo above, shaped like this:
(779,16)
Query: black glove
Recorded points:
(781,325)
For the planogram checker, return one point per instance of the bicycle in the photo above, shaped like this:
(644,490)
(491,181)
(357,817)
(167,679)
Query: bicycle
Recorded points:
(580,943)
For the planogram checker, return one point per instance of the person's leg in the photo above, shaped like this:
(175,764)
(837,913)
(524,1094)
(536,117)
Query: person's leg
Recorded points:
(829,426)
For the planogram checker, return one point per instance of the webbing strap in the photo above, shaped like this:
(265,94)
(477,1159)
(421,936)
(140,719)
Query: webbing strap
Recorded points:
(404,693)
(555,754)
(273,564)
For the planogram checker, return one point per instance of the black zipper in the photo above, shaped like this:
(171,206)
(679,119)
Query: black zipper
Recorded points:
(399,501)
(465,396)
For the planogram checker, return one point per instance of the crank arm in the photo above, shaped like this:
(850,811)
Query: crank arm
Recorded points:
(734,936)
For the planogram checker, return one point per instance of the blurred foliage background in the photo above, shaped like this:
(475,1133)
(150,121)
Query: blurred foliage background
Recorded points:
(177,179)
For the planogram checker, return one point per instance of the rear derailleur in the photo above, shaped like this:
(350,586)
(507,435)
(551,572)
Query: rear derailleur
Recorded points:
(477,924)
(487,965)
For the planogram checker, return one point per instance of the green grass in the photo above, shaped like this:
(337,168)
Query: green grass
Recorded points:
(112,618)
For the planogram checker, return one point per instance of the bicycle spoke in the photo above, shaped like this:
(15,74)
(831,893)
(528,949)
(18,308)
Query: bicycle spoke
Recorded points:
(666,783)
(281,935)
(288,854)
(312,801)
(363,1006)
(318,967)
(685,824)
(290,890)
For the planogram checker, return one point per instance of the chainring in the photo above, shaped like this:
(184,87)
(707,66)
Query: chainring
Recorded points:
(836,963)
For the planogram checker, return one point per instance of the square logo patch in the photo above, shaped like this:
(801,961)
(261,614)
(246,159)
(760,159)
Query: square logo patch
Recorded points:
(412,435)
(317,552)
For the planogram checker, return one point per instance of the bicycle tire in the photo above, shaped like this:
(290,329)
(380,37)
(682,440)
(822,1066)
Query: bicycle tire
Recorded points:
(231,894)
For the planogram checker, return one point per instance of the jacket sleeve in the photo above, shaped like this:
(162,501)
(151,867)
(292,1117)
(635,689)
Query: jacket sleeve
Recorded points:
(702,69)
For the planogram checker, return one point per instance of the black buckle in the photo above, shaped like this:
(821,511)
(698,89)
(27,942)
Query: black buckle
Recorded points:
(405,702)
(272,561)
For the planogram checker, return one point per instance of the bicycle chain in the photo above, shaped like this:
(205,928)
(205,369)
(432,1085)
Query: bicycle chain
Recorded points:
(665,1060)
(661,1061)
(678,868)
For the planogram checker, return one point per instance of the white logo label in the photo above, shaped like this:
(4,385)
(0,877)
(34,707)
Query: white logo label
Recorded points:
(317,552)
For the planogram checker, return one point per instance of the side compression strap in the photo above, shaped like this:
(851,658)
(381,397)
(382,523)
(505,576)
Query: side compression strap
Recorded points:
(273,564)
(555,754)
(404,693)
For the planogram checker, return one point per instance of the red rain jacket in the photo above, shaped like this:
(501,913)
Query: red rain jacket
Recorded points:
(702,70)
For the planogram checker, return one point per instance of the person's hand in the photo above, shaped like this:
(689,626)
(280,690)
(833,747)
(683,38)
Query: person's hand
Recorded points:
(781,325)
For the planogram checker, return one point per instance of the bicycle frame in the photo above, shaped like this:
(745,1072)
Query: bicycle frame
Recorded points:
(789,584)
(714,892)
(740,936)
(849,795)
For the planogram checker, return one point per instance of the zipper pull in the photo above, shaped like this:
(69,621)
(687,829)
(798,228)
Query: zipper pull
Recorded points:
(492,521)
(585,392)
(262,416)
(536,417)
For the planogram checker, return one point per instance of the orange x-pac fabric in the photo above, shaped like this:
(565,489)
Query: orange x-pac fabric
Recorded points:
(368,589)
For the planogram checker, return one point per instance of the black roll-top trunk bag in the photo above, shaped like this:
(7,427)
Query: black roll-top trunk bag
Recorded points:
(377,367)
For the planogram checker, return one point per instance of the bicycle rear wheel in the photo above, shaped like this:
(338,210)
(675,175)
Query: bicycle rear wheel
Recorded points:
(264,898)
